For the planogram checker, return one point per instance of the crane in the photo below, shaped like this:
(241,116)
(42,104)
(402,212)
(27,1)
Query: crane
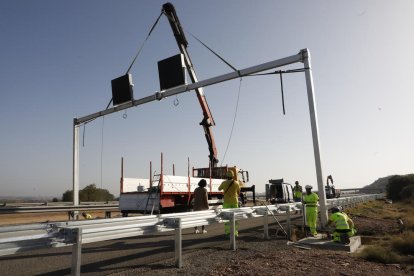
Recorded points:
(207,121)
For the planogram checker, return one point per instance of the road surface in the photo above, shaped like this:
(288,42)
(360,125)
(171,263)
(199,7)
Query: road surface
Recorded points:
(114,256)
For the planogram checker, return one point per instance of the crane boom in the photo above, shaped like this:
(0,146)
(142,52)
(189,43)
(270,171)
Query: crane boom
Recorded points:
(208,121)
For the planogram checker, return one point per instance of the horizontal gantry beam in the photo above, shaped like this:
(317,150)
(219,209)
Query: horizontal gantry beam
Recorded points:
(188,87)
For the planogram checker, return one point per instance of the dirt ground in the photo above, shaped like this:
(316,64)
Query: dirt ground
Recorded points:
(255,256)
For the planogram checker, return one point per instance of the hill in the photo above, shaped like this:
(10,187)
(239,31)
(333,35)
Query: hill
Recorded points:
(380,183)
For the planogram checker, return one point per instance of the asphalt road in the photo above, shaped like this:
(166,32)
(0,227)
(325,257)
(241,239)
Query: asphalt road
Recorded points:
(109,257)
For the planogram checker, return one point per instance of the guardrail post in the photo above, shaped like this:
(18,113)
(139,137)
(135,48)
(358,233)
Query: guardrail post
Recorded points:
(76,252)
(233,231)
(288,224)
(266,225)
(178,245)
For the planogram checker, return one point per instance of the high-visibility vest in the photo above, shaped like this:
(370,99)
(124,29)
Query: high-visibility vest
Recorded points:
(297,191)
(340,220)
(311,200)
(88,216)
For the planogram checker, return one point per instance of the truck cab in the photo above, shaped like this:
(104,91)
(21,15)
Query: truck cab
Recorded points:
(277,191)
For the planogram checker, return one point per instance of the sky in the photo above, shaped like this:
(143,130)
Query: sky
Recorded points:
(57,60)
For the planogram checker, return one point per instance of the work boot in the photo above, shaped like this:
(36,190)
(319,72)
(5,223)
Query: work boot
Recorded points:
(344,239)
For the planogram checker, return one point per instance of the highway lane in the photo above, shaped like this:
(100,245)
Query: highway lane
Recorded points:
(109,257)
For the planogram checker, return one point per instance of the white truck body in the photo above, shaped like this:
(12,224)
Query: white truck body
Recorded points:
(136,196)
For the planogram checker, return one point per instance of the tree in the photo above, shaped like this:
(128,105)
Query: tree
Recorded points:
(396,185)
(407,192)
(67,196)
(90,193)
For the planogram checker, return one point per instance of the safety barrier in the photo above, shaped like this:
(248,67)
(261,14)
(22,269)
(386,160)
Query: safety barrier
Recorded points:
(14,239)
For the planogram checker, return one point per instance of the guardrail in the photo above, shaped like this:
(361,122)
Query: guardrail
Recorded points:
(14,239)
(65,208)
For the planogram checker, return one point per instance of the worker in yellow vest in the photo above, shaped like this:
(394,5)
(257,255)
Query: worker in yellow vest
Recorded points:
(344,226)
(297,192)
(87,216)
(231,191)
(310,199)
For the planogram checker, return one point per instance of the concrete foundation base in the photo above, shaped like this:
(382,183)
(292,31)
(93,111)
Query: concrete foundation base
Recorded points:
(355,242)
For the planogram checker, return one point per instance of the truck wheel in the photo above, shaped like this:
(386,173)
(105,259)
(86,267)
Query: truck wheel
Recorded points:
(124,213)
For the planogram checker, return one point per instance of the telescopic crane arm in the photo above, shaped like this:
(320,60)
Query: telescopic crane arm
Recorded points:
(208,121)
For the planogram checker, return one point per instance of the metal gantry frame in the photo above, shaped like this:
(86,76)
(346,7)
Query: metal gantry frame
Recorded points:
(303,56)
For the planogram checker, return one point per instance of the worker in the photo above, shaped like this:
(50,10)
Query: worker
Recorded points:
(310,199)
(231,190)
(297,192)
(200,201)
(344,226)
(86,215)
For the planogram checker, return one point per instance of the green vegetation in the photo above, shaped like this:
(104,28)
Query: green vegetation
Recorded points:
(391,248)
(89,193)
(400,187)
(404,243)
(375,209)
(380,254)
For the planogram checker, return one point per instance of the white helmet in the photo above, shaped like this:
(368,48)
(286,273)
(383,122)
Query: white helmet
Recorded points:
(308,187)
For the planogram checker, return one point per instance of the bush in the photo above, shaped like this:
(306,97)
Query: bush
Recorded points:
(407,192)
(89,193)
(379,254)
(409,223)
(404,243)
(396,184)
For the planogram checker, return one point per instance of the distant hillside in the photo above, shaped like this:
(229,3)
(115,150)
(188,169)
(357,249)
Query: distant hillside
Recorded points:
(380,183)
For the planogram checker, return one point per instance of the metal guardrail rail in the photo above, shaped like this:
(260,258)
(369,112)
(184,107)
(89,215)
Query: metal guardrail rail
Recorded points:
(14,239)
(64,208)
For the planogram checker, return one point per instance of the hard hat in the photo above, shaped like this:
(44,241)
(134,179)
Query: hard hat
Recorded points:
(308,187)
(336,209)
(229,174)
(296,182)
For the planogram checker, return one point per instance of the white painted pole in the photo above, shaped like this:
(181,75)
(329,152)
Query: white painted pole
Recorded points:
(233,231)
(75,176)
(77,252)
(315,134)
(266,225)
(178,245)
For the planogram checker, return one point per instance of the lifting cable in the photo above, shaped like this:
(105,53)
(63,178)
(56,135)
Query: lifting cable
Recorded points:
(238,94)
(143,43)
(280,72)
(234,121)
(129,68)
(217,55)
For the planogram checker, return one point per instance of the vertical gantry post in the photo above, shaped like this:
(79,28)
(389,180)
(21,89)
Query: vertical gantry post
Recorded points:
(76,252)
(178,245)
(315,134)
(75,176)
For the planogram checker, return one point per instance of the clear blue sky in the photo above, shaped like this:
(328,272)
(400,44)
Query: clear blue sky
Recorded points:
(57,59)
